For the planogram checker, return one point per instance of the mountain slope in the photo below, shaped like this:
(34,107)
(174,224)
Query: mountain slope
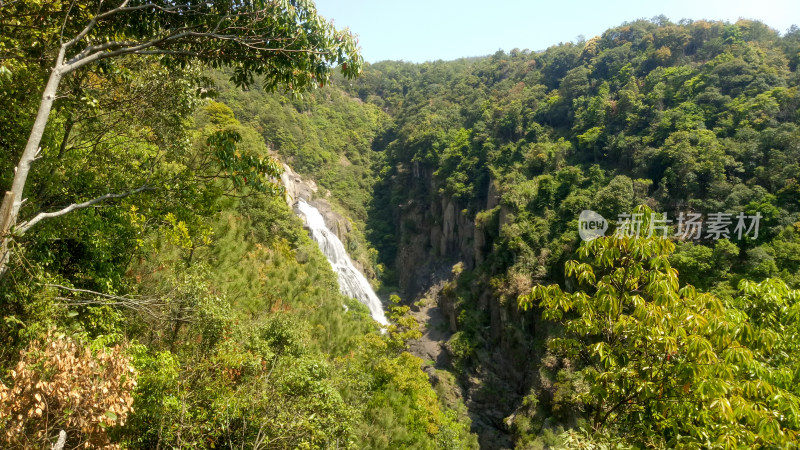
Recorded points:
(490,161)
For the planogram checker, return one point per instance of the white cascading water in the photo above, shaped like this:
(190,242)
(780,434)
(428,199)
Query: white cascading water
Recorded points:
(352,283)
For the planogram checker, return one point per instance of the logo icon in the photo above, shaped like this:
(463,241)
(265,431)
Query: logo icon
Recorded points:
(591,225)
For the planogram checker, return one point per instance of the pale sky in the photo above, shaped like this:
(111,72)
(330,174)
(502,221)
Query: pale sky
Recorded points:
(424,30)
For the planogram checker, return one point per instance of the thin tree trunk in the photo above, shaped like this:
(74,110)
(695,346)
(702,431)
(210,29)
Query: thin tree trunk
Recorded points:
(13,198)
(5,224)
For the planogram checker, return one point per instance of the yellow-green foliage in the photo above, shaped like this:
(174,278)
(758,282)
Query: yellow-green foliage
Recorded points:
(399,408)
(667,365)
(235,325)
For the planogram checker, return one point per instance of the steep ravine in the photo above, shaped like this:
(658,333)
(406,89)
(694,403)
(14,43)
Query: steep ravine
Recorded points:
(443,237)
(493,381)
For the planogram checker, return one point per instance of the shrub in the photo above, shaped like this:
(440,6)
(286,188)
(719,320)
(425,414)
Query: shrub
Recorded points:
(60,384)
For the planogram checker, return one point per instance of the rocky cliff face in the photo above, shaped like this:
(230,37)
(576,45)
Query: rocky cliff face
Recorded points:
(434,234)
(435,230)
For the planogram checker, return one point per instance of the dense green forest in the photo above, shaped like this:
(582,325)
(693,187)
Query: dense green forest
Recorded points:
(489,163)
(170,298)
(190,309)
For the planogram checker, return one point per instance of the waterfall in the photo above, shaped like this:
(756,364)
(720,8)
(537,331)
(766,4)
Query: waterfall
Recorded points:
(352,283)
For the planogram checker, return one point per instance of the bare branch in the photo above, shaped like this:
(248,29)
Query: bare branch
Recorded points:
(64,23)
(25,226)
(148,305)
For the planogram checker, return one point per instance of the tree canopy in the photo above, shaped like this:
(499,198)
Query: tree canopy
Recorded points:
(668,366)
(285,43)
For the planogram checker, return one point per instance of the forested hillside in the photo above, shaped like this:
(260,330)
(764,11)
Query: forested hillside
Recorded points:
(489,163)
(158,292)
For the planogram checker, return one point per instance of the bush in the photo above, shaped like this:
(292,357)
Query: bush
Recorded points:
(60,384)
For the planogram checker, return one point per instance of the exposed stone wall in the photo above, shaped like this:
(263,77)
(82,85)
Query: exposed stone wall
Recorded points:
(444,233)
